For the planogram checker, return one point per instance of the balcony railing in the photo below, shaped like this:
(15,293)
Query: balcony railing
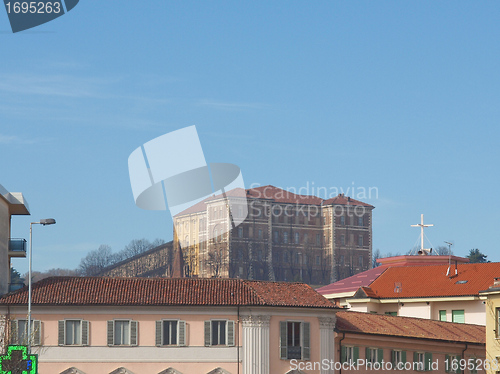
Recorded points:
(17,247)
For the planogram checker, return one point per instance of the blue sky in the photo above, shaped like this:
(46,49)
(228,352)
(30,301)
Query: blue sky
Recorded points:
(401,96)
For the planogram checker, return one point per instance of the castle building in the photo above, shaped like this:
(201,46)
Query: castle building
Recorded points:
(284,237)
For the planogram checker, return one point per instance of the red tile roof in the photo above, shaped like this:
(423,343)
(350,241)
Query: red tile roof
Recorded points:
(341,199)
(167,291)
(378,324)
(352,283)
(278,195)
(431,281)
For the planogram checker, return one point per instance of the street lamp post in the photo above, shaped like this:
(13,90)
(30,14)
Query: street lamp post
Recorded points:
(47,221)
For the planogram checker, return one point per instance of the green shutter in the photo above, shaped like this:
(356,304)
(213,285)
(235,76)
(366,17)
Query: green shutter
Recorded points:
(60,333)
(111,329)
(37,332)
(380,355)
(306,349)
(442,315)
(14,335)
(133,332)
(343,354)
(367,354)
(283,340)
(85,332)
(458,316)
(158,331)
(415,359)
(230,334)
(355,355)
(428,361)
(182,333)
(459,371)
(393,358)
(447,364)
(403,357)
(208,337)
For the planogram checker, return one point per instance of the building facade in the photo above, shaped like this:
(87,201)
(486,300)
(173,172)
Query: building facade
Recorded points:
(438,292)
(491,299)
(284,237)
(376,343)
(11,203)
(99,325)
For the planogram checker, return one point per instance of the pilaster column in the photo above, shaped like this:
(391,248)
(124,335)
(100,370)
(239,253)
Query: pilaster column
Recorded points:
(327,342)
(255,344)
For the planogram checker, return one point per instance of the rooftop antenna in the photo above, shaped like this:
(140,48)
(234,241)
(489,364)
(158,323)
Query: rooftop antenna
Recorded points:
(423,251)
(449,258)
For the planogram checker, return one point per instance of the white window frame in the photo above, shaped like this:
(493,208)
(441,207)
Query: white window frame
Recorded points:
(420,361)
(36,327)
(302,345)
(66,331)
(349,353)
(373,357)
(397,358)
(229,340)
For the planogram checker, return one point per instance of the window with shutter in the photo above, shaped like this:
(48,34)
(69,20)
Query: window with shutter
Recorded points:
(111,332)
(182,333)
(295,341)
(230,333)
(122,332)
(85,332)
(458,316)
(208,337)
(133,333)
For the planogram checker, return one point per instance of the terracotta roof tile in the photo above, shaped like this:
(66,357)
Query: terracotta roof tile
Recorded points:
(341,199)
(352,283)
(275,194)
(379,324)
(431,281)
(167,291)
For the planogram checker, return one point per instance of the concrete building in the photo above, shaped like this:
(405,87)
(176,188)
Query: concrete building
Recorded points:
(11,203)
(285,237)
(99,325)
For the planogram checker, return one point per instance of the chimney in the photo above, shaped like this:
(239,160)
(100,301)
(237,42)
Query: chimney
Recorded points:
(496,282)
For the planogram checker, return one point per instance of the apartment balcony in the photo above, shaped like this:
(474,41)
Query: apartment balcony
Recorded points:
(17,247)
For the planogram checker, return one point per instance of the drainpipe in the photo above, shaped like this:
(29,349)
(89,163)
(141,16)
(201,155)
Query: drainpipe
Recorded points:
(238,340)
(463,352)
(340,350)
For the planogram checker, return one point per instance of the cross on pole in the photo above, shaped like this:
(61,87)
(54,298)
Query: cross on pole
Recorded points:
(17,361)
(422,226)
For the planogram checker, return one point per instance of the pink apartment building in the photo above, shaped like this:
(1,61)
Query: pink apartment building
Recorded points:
(376,343)
(95,325)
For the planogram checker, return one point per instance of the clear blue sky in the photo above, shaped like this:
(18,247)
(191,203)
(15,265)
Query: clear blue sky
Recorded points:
(401,96)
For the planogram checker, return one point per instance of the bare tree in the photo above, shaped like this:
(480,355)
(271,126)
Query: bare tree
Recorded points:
(325,268)
(96,261)
(3,334)
(376,255)
(215,261)
(136,247)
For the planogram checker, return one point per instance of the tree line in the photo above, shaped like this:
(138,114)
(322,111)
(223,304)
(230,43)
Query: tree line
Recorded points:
(94,262)
(475,255)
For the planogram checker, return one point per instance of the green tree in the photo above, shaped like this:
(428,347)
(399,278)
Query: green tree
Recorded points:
(476,256)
